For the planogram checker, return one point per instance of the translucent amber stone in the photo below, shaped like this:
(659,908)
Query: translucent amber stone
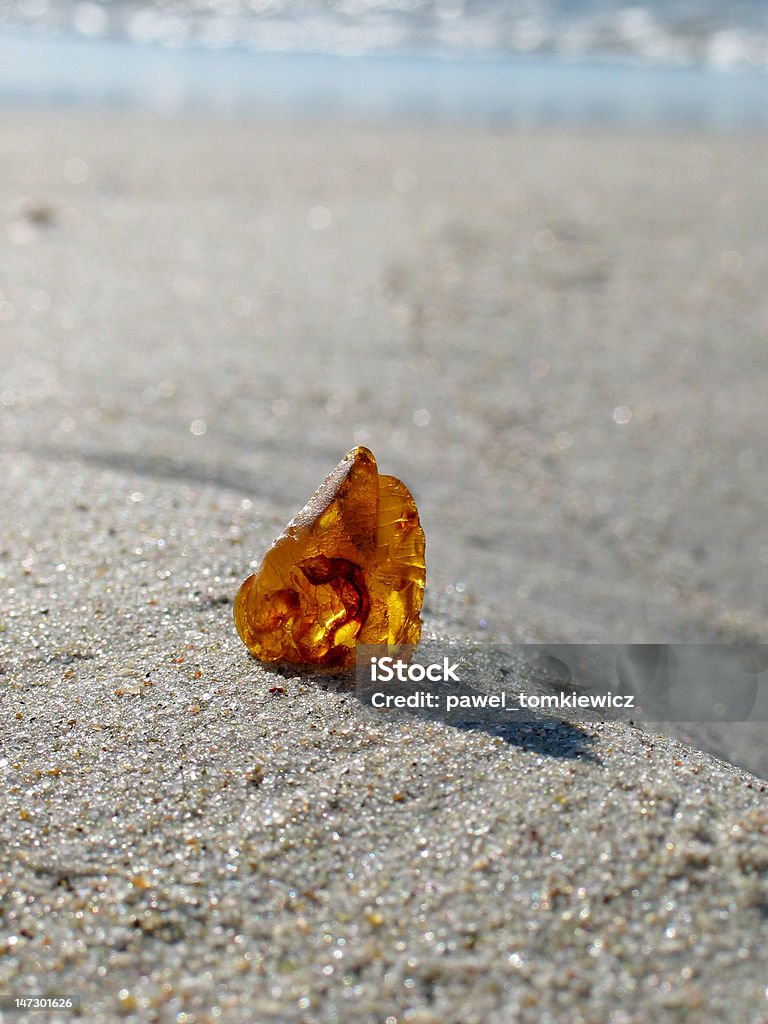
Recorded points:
(349,568)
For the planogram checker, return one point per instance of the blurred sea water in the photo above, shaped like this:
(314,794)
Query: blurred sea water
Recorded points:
(708,32)
(686,62)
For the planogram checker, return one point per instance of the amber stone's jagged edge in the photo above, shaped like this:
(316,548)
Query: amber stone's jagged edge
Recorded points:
(321,500)
(326,493)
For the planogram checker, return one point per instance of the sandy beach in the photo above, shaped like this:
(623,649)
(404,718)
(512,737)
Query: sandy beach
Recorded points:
(557,340)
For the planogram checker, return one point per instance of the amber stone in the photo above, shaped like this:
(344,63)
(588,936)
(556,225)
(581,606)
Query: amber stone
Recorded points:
(348,569)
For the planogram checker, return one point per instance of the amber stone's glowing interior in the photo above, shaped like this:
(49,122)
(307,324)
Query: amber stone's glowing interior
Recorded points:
(348,568)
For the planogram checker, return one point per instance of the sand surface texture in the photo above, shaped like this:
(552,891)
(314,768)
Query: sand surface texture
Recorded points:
(557,341)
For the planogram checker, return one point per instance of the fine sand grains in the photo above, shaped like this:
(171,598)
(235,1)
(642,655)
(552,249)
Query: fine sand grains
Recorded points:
(556,340)
(185,833)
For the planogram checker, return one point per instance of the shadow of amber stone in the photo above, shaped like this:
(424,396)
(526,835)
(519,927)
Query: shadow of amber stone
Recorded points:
(349,568)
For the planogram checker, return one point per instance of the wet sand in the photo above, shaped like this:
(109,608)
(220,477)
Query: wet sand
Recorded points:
(557,341)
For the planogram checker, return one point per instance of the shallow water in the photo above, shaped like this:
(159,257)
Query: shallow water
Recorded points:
(69,70)
(679,32)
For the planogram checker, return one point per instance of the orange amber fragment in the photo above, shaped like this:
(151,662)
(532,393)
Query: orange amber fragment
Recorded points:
(349,568)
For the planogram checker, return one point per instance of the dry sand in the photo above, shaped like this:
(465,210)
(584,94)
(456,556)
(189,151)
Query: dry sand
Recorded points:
(197,321)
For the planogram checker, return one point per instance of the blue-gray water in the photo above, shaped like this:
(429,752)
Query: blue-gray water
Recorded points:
(70,70)
(707,32)
(668,63)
